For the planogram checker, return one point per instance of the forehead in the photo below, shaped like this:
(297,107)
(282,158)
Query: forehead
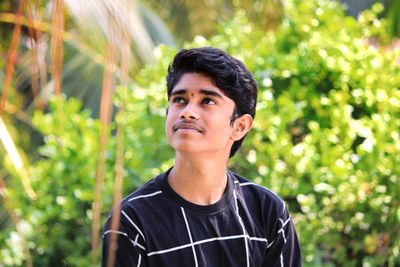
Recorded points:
(195,83)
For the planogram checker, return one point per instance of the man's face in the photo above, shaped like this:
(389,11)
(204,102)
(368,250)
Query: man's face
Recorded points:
(199,116)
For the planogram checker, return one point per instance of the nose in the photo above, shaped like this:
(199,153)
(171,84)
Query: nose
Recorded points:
(189,113)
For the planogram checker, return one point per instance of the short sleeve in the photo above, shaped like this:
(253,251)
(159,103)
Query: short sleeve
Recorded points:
(130,247)
(284,249)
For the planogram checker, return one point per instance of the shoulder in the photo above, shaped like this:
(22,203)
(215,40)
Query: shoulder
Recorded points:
(133,206)
(259,196)
(148,195)
(145,192)
(266,208)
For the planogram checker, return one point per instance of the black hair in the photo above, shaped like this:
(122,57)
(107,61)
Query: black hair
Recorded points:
(229,74)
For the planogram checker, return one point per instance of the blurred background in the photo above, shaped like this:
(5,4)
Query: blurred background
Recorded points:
(83,99)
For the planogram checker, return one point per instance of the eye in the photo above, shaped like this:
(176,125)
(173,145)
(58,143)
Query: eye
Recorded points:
(208,101)
(178,100)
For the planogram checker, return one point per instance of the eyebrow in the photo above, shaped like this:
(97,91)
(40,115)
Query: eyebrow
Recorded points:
(207,92)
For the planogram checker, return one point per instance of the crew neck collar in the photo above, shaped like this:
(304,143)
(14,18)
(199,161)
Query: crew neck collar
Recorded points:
(162,182)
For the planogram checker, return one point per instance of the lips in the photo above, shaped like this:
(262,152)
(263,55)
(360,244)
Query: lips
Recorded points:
(187,126)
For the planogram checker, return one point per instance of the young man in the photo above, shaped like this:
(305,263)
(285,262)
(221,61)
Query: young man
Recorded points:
(198,213)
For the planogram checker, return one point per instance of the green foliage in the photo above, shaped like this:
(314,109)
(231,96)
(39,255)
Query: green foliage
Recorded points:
(57,220)
(147,152)
(326,138)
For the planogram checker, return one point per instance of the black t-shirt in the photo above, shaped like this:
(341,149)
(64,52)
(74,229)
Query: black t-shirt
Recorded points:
(249,226)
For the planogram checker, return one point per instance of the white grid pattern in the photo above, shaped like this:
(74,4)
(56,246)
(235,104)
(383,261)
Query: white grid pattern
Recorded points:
(203,241)
(192,243)
(282,230)
(243,229)
(134,242)
(144,196)
(134,225)
(190,237)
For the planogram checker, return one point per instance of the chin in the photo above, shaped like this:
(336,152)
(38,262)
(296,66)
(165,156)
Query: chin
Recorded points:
(185,148)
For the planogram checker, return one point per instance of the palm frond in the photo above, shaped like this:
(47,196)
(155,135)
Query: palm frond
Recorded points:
(14,155)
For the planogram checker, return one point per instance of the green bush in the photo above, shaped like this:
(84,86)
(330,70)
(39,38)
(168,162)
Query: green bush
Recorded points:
(57,222)
(326,138)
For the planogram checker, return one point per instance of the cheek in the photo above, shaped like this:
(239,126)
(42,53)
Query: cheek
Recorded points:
(169,123)
(222,126)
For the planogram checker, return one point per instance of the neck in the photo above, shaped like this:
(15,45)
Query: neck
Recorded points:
(199,180)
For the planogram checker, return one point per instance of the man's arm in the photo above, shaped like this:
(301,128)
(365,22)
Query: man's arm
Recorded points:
(284,249)
(129,249)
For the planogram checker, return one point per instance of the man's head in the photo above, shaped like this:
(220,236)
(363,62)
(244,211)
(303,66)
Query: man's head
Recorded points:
(227,73)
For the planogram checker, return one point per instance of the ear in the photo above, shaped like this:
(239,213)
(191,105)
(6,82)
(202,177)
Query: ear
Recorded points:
(241,126)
